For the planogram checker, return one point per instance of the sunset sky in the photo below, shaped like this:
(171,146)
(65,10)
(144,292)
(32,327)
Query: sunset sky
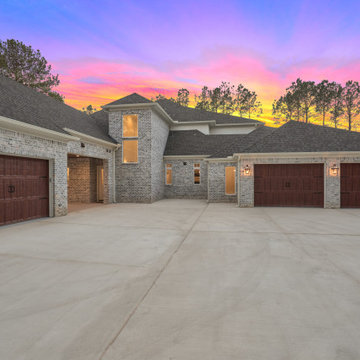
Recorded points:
(104,50)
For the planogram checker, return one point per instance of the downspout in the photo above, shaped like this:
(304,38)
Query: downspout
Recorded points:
(114,177)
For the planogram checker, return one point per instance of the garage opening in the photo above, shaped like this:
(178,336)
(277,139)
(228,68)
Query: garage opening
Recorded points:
(350,185)
(24,189)
(299,185)
(85,177)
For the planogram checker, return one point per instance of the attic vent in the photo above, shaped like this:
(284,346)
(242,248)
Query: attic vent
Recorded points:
(82,145)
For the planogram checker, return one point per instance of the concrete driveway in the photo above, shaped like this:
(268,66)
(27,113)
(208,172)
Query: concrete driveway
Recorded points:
(182,280)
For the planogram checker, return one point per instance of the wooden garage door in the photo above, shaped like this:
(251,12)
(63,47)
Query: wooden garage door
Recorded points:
(350,185)
(24,189)
(289,185)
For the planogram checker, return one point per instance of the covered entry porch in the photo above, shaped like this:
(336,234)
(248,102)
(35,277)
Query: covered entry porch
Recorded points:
(85,181)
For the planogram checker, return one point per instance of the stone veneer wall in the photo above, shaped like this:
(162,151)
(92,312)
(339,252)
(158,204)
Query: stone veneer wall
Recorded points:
(159,135)
(18,144)
(331,182)
(216,183)
(183,186)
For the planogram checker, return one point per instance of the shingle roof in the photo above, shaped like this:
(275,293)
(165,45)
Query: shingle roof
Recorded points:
(133,98)
(183,113)
(238,145)
(194,142)
(102,120)
(301,137)
(24,104)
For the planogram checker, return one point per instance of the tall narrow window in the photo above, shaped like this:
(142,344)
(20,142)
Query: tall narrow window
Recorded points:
(168,174)
(196,173)
(130,130)
(230,180)
(130,151)
(130,125)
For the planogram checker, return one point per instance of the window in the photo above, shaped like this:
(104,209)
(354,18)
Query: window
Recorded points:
(130,151)
(130,130)
(168,174)
(130,125)
(230,180)
(196,173)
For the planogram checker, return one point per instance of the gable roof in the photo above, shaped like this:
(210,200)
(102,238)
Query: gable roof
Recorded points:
(184,113)
(19,102)
(133,98)
(296,136)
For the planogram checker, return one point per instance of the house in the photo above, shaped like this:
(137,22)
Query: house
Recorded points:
(136,150)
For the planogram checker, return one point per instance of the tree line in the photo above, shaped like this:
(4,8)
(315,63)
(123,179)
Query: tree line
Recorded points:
(302,101)
(328,100)
(225,98)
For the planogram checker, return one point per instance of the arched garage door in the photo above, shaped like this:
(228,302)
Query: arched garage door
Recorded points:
(299,185)
(24,189)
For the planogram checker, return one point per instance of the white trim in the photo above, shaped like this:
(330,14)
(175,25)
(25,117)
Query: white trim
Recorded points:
(88,138)
(20,126)
(137,127)
(228,159)
(154,105)
(184,157)
(297,154)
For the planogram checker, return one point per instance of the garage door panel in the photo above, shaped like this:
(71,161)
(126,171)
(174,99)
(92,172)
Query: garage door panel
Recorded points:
(24,189)
(289,185)
(350,185)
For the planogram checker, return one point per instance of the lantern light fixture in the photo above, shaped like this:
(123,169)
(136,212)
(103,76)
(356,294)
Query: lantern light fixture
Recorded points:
(247,170)
(334,170)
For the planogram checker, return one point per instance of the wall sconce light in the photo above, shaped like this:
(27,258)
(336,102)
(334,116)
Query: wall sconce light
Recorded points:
(247,170)
(334,170)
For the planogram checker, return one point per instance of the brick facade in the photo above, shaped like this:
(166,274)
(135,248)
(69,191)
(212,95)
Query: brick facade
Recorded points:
(216,182)
(18,144)
(183,186)
(143,181)
(331,182)
(82,183)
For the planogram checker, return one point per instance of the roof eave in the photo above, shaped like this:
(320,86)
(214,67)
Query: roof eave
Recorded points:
(92,139)
(157,107)
(19,126)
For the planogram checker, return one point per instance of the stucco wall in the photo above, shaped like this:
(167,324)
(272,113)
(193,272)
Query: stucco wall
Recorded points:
(183,186)
(216,182)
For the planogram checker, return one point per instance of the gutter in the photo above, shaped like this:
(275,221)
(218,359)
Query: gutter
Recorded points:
(92,139)
(19,126)
(297,154)
(184,157)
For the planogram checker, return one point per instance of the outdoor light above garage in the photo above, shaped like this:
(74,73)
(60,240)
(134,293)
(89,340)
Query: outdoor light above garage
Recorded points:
(247,170)
(334,170)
